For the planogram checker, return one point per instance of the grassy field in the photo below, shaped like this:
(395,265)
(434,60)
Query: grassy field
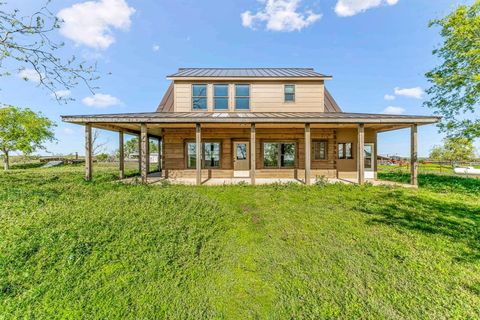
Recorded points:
(103,250)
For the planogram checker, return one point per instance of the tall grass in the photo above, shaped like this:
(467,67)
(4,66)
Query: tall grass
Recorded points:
(105,250)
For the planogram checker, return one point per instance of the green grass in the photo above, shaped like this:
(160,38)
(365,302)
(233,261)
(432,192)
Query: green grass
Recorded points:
(75,249)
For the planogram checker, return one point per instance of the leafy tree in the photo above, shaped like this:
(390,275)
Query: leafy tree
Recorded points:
(455,88)
(26,43)
(436,153)
(131,146)
(102,157)
(23,130)
(454,149)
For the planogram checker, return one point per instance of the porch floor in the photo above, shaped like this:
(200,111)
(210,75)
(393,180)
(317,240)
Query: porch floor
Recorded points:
(156,178)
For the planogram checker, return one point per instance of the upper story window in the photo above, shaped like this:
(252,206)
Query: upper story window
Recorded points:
(199,97)
(289,93)
(242,96)
(220,96)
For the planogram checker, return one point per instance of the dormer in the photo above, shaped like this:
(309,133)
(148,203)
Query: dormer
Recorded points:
(247,90)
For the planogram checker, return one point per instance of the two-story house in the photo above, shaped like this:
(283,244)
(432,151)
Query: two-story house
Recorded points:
(254,123)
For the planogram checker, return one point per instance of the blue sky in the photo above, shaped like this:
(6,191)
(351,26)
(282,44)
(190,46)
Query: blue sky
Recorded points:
(373,48)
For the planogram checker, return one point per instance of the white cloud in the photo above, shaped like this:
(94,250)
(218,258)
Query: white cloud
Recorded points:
(394,110)
(280,15)
(68,131)
(416,92)
(30,75)
(389,97)
(61,94)
(155,47)
(91,22)
(100,100)
(348,8)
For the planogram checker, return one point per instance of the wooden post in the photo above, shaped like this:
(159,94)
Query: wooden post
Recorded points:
(121,155)
(143,152)
(88,152)
(148,154)
(413,156)
(361,154)
(252,154)
(159,158)
(308,153)
(198,144)
(140,152)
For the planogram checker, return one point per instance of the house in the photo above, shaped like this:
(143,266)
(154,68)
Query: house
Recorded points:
(254,123)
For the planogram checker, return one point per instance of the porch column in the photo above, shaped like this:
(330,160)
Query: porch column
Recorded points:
(159,158)
(88,152)
(308,153)
(148,154)
(143,152)
(140,152)
(361,154)
(252,154)
(121,155)
(413,156)
(198,144)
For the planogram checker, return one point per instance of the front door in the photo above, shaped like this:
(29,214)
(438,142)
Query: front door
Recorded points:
(241,159)
(369,153)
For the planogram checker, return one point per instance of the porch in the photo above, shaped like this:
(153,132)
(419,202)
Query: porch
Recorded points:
(225,148)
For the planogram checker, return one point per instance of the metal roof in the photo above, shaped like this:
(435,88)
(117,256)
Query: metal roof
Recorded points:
(250,117)
(247,73)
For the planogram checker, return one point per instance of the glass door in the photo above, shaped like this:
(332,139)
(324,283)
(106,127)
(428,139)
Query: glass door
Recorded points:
(369,153)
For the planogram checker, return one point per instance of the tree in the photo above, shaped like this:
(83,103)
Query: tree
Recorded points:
(131,146)
(454,149)
(25,43)
(436,153)
(455,88)
(23,130)
(98,146)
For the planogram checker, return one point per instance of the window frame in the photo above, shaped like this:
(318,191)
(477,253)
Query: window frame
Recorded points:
(314,143)
(344,156)
(203,154)
(279,153)
(285,93)
(227,96)
(242,97)
(202,97)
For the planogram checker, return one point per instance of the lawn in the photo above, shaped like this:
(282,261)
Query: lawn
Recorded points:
(97,250)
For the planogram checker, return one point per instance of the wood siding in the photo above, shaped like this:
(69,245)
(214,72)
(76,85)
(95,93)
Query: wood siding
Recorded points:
(265,96)
(175,139)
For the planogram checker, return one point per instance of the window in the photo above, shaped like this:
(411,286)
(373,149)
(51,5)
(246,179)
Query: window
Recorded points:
(320,150)
(199,97)
(241,151)
(278,155)
(242,96)
(220,96)
(289,92)
(345,151)
(210,155)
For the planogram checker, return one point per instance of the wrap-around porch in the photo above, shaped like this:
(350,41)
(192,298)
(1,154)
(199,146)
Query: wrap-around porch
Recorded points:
(184,158)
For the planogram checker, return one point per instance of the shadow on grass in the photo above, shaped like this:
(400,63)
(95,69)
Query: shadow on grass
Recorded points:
(437,183)
(454,219)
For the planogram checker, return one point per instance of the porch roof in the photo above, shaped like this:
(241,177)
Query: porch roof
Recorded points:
(251,117)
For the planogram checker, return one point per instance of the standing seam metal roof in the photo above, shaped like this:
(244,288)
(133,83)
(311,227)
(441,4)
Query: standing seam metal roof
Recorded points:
(248,72)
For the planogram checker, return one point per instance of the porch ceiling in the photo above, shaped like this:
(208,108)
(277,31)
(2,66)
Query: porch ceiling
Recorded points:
(155,129)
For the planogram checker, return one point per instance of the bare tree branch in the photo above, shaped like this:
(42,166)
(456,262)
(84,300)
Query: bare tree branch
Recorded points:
(26,40)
